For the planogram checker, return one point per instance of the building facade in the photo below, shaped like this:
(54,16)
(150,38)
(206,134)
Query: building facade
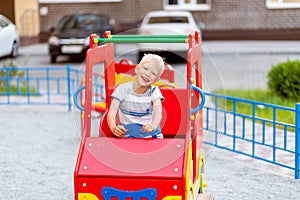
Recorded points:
(223,19)
(25,14)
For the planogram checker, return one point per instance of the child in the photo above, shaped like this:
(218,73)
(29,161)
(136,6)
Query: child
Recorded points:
(138,102)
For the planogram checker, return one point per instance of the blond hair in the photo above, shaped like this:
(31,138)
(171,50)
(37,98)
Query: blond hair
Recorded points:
(156,60)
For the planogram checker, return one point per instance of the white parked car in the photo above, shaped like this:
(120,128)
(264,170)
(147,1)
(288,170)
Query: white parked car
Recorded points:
(9,39)
(166,23)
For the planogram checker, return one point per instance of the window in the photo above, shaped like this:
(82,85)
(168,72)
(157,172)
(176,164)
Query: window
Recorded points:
(187,5)
(77,1)
(170,19)
(3,22)
(81,22)
(282,4)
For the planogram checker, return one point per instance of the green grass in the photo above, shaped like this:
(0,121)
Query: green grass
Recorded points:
(260,111)
(22,92)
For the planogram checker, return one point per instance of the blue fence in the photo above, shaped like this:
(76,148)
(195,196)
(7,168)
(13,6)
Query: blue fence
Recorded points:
(269,140)
(39,86)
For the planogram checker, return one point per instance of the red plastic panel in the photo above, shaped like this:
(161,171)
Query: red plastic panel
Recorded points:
(165,187)
(176,113)
(108,157)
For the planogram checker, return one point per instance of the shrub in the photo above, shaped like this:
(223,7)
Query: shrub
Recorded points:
(13,72)
(11,78)
(284,79)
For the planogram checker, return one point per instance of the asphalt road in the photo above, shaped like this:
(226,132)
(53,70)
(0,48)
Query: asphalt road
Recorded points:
(226,64)
(39,148)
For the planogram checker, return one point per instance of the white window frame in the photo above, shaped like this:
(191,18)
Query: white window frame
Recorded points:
(192,6)
(280,4)
(77,1)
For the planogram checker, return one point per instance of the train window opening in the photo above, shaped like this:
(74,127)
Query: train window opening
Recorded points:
(98,96)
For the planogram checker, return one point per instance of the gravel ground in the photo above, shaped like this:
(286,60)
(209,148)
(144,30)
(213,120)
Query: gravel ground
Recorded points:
(38,149)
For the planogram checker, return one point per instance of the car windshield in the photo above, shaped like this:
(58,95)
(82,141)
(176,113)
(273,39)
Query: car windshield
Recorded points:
(3,21)
(168,19)
(80,22)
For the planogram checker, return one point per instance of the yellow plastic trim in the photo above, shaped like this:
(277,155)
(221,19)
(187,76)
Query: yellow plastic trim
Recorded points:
(192,117)
(193,80)
(125,78)
(100,104)
(201,162)
(87,196)
(95,40)
(189,187)
(172,198)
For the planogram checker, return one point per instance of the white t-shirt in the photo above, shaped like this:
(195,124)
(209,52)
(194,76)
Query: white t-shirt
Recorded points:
(135,108)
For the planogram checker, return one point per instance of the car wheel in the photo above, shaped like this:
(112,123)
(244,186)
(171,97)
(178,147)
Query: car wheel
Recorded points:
(14,50)
(53,59)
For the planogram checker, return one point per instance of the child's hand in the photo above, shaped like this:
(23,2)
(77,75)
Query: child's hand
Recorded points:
(148,128)
(119,131)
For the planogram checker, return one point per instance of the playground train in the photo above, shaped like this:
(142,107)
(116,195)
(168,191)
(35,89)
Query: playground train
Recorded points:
(172,168)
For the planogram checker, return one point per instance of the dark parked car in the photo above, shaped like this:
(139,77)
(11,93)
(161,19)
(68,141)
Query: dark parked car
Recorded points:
(71,36)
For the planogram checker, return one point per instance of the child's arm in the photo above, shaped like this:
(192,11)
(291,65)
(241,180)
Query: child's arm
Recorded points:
(119,130)
(156,117)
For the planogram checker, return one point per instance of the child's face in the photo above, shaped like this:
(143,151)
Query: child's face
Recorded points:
(147,73)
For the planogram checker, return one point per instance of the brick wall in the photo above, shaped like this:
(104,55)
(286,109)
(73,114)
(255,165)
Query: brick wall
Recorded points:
(245,14)
(246,19)
(227,19)
(127,11)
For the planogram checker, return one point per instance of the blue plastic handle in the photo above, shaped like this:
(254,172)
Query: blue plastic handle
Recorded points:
(75,97)
(202,96)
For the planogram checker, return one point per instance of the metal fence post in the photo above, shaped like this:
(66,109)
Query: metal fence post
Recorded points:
(28,85)
(216,120)
(7,85)
(297,142)
(69,86)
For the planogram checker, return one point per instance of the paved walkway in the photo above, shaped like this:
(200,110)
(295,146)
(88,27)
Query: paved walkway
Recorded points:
(248,46)
(243,46)
(232,64)
(259,143)
(226,64)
